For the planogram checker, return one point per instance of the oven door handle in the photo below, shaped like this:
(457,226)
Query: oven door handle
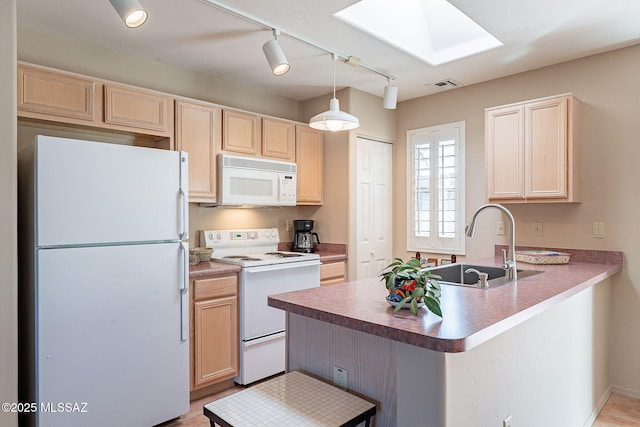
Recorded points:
(266,339)
(284,266)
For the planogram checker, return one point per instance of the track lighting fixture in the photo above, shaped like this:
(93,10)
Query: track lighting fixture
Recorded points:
(334,119)
(130,11)
(390,96)
(275,56)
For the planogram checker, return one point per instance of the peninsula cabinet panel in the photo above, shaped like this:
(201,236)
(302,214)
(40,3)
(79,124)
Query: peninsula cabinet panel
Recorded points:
(198,132)
(215,336)
(278,140)
(241,133)
(309,161)
(137,109)
(533,151)
(55,96)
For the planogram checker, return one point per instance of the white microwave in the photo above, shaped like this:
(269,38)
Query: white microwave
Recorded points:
(247,181)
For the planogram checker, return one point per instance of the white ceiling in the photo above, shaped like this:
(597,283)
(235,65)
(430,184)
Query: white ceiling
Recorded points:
(194,35)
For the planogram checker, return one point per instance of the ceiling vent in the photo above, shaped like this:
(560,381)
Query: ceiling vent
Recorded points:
(444,84)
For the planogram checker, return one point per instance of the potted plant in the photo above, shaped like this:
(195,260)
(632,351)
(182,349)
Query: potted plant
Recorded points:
(408,282)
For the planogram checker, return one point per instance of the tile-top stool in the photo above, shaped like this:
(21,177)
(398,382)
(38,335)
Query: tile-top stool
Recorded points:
(293,399)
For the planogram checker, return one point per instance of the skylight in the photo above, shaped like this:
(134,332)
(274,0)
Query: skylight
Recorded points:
(434,31)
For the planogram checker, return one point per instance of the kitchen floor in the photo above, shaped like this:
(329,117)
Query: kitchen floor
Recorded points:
(619,411)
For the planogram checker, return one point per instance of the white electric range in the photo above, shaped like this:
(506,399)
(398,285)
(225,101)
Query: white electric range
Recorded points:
(265,271)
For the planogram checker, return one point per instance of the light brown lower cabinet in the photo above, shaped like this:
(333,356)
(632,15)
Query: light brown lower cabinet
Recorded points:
(332,272)
(214,338)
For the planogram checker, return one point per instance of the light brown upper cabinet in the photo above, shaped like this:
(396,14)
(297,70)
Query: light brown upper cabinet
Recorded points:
(278,139)
(532,151)
(309,160)
(241,133)
(138,109)
(198,133)
(51,95)
(72,99)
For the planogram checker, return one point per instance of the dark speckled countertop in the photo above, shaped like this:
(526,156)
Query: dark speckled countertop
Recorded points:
(327,251)
(211,268)
(471,316)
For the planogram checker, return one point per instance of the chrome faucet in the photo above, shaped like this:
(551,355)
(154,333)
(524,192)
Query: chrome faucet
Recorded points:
(508,262)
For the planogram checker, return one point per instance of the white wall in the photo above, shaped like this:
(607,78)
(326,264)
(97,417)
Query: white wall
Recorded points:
(608,86)
(8,207)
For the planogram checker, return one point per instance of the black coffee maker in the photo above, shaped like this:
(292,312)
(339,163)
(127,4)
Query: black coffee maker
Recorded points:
(303,238)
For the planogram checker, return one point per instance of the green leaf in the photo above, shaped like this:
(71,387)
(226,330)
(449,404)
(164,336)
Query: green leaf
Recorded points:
(433,306)
(417,293)
(400,304)
(414,307)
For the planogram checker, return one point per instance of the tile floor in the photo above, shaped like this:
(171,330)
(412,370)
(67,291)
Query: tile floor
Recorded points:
(619,411)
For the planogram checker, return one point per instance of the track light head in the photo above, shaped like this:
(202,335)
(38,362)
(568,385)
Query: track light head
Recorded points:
(131,12)
(390,99)
(275,56)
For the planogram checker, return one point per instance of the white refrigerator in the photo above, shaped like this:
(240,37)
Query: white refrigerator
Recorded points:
(104,300)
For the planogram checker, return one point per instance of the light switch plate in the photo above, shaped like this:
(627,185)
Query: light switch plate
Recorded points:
(500,228)
(537,229)
(340,377)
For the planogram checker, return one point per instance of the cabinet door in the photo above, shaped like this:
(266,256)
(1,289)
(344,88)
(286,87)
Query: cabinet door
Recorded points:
(241,133)
(278,140)
(198,132)
(309,162)
(61,96)
(136,108)
(504,153)
(546,148)
(216,342)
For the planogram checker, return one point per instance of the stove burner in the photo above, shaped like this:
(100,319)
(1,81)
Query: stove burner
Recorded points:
(282,255)
(242,258)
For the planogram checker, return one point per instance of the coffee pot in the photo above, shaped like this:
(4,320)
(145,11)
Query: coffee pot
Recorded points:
(303,240)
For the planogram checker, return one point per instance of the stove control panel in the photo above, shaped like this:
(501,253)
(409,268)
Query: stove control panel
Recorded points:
(239,238)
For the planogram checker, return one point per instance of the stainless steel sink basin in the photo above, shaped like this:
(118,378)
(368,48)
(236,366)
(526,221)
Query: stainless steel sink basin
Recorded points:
(454,274)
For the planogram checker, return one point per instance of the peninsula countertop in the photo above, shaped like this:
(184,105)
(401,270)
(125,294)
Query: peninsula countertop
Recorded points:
(471,316)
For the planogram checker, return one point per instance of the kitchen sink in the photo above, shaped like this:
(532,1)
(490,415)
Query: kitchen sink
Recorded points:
(454,274)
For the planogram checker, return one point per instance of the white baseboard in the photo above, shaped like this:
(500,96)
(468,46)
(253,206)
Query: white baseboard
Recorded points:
(626,391)
(599,405)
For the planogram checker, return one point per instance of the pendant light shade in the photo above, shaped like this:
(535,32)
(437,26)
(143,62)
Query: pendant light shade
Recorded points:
(130,11)
(275,57)
(334,119)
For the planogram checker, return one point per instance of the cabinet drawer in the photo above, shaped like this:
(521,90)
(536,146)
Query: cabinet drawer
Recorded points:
(332,270)
(215,287)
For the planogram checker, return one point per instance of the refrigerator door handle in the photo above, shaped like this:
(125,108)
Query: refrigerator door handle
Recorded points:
(183,188)
(183,214)
(184,293)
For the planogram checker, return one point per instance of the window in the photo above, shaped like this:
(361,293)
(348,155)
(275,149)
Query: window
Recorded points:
(435,178)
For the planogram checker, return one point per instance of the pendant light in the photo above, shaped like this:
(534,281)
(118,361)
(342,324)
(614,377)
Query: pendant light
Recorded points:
(334,119)
(130,11)
(275,56)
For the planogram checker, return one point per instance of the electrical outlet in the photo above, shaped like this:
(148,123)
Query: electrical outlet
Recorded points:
(500,228)
(340,377)
(289,226)
(507,421)
(598,230)
(537,229)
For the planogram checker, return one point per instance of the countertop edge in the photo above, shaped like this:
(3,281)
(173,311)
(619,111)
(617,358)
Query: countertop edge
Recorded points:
(428,340)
